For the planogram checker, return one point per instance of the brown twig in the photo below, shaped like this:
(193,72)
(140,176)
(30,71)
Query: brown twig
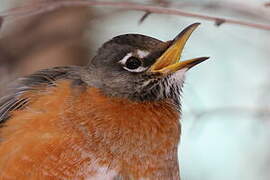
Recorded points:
(247,10)
(50,6)
(219,21)
(145,15)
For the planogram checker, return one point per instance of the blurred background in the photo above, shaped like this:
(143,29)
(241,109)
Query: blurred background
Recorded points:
(226,110)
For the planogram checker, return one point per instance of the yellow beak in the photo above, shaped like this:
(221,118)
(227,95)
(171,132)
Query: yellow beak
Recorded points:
(169,62)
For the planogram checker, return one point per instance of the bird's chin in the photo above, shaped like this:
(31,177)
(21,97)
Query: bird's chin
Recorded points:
(163,87)
(180,75)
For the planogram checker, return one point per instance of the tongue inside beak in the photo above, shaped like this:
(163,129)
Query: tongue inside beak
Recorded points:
(169,62)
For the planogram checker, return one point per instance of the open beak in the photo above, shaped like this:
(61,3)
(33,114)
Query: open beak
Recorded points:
(169,62)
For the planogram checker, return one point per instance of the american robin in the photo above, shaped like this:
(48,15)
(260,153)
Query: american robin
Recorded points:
(115,119)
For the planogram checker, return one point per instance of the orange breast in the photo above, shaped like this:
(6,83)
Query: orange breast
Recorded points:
(78,133)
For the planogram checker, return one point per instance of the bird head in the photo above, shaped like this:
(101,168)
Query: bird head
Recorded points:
(142,68)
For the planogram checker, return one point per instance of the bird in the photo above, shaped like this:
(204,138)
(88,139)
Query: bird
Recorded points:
(116,118)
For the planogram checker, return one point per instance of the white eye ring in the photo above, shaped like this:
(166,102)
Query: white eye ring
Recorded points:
(124,60)
(139,69)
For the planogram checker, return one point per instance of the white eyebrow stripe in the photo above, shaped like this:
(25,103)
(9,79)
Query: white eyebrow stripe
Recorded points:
(142,53)
(124,60)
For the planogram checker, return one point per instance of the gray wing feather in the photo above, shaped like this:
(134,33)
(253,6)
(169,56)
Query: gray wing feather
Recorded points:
(47,77)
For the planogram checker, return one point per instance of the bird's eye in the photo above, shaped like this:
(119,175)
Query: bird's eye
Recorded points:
(133,63)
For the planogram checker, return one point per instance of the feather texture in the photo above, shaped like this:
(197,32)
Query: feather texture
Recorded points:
(17,97)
